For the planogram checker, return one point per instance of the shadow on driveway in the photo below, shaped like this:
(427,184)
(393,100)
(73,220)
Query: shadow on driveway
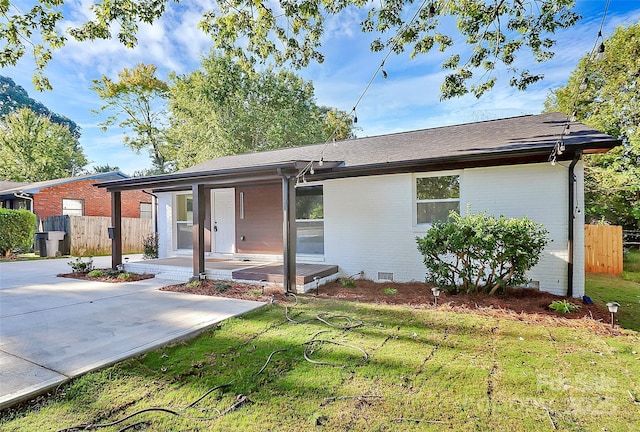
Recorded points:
(54,329)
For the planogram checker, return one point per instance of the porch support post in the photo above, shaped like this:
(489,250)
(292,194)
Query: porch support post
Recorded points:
(289,235)
(116,223)
(198,229)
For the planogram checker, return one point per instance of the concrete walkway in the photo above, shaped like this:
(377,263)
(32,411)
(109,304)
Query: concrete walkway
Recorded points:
(53,329)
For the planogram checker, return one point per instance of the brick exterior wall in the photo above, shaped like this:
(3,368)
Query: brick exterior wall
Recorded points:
(97,201)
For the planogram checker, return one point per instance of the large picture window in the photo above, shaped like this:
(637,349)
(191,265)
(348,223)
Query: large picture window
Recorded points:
(436,197)
(184,221)
(310,220)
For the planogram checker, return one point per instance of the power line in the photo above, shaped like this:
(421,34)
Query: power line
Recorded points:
(309,167)
(597,50)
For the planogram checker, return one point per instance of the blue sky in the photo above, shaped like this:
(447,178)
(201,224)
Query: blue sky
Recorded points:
(407,100)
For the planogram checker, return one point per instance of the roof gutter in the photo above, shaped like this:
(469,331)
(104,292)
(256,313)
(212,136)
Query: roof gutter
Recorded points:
(571,218)
(22,195)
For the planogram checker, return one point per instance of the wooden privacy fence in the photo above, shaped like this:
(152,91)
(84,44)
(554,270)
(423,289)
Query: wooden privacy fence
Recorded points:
(88,235)
(603,249)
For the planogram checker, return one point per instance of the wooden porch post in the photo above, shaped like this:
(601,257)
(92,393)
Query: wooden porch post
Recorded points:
(198,229)
(289,235)
(116,223)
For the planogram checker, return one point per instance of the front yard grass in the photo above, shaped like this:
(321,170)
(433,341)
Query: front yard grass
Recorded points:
(424,369)
(624,289)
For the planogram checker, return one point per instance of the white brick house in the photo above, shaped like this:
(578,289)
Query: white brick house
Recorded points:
(360,204)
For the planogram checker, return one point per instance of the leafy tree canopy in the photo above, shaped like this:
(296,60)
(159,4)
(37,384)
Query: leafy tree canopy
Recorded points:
(14,97)
(104,169)
(290,32)
(136,102)
(604,93)
(225,108)
(33,148)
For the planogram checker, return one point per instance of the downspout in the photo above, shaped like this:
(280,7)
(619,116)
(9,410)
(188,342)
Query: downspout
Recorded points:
(571,218)
(154,210)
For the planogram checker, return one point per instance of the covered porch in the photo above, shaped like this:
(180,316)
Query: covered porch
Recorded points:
(179,269)
(292,275)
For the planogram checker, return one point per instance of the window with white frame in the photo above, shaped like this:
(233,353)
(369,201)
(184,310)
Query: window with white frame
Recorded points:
(184,221)
(436,197)
(72,207)
(310,220)
(145,211)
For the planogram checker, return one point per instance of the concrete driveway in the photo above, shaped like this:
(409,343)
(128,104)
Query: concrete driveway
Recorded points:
(53,329)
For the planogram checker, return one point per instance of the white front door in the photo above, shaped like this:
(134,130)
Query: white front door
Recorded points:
(223,223)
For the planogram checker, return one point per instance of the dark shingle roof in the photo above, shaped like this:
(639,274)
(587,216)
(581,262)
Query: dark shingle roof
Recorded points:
(525,139)
(511,135)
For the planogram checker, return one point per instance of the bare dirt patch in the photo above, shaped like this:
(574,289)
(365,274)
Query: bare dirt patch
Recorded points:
(519,303)
(113,278)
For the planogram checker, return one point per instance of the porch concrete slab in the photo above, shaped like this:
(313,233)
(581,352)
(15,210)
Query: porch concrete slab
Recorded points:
(209,263)
(53,329)
(274,273)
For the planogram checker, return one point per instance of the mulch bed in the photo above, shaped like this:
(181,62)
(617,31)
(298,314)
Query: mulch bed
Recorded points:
(521,304)
(113,278)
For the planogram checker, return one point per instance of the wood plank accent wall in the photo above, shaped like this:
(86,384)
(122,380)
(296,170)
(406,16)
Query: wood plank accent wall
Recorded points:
(603,249)
(261,227)
(88,235)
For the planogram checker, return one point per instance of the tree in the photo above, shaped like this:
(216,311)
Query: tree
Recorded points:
(480,253)
(338,125)
(14,97)
(104,168)
(137,102)
(603,93)
(225,108)
(291,32)
(33,148)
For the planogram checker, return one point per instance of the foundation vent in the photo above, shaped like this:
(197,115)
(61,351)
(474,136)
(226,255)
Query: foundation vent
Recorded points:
(385,276)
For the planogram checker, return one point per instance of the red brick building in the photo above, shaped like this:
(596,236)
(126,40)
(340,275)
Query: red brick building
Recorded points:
(76,196)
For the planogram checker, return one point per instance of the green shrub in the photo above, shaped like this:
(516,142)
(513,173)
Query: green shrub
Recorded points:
(193,284)
(480,253)
(17,230)
(390,291)
(96,273)
(125,276)
(563,306)
(221,287)
(150,246)
(81,266)
(348,282)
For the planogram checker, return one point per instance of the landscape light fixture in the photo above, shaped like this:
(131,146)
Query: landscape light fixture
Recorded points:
(436,294)
(613,308)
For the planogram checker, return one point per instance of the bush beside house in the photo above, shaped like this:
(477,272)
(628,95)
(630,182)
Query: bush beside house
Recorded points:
(480,253)
(17,228)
